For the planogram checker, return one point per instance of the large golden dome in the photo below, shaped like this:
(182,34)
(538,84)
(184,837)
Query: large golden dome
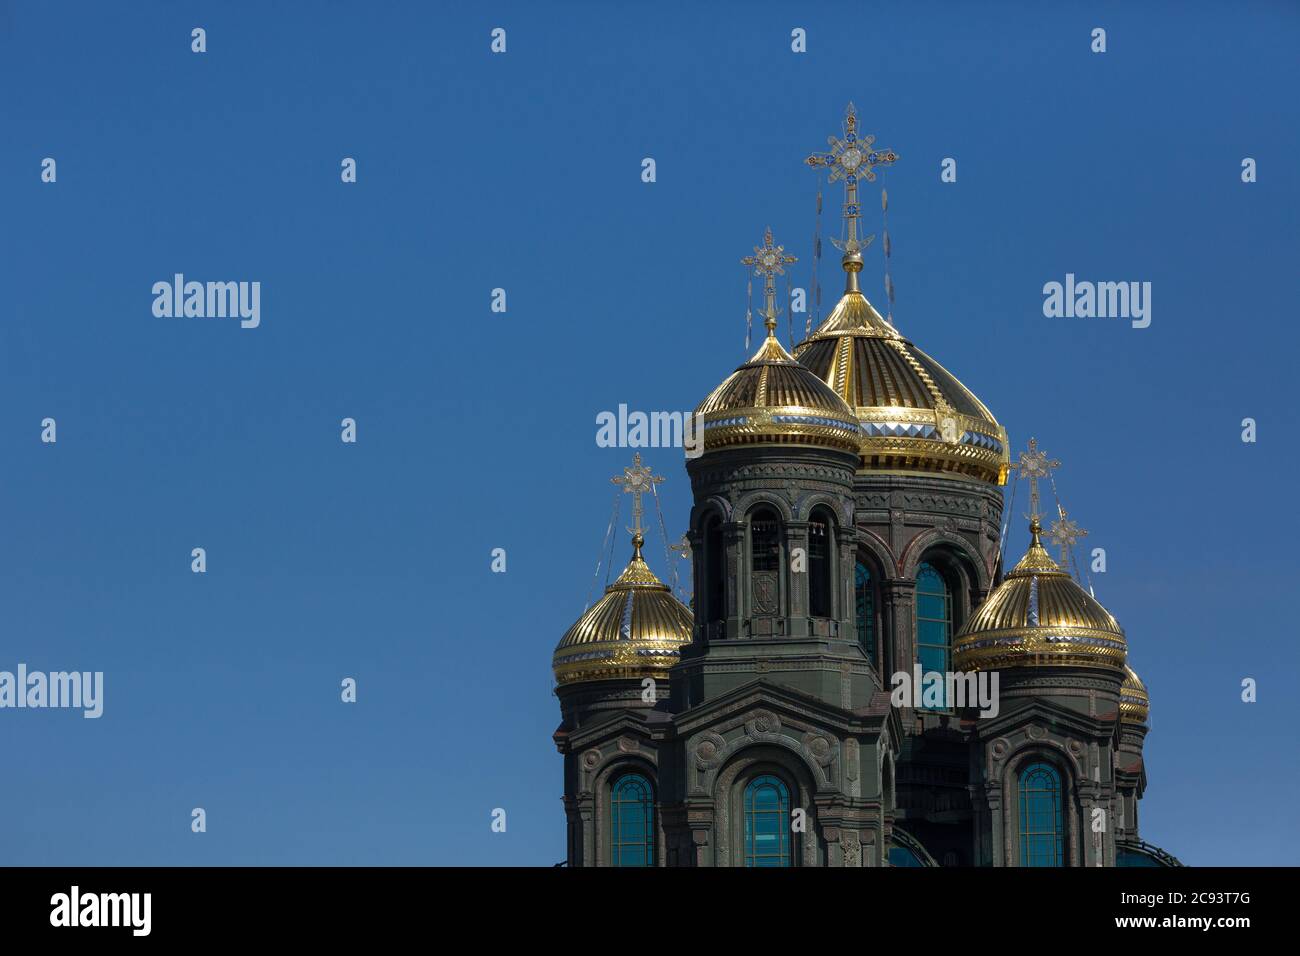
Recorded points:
(1039,617)
(772,399)
(1134,702)
(915,415)
(634,631)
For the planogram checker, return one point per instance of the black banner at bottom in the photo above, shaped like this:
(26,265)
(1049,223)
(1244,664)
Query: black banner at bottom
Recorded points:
(336,905)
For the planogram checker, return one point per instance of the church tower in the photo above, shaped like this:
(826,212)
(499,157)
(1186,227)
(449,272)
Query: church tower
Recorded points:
(845,539)
(927,510)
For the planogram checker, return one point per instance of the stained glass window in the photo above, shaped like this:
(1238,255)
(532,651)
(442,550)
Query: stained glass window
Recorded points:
(767,822)
(632,822)
(933,626)
(1042,817)
(866,610)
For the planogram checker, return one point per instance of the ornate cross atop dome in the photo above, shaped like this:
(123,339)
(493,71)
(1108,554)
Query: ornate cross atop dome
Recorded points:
(852,158)
(1035,464)
(769,261)
(637,480)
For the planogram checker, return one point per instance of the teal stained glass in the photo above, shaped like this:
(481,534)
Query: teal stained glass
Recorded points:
(933,625)
(1042,816)
(767,822)
(632,822)
(866,610)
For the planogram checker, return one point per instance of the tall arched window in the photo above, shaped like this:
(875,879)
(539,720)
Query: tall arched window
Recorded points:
(765,561)
(632,822)
(767,822)
(865,599)
(933,625)
(714,574)
(1042,816)
(819,566)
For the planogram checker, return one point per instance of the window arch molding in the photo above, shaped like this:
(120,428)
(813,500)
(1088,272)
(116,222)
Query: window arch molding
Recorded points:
(729,786)
(958,572)
(807,505)
(954,551)
(1055,754)
(607,779)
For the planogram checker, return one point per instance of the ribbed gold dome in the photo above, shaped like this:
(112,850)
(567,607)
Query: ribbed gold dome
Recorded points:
(915,415)
(1039,617)
(634,631)
(1134,702)
(772,399)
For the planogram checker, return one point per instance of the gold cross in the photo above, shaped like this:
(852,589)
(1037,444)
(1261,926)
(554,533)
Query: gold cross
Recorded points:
(684,549)
(769,261)
(1065,534)
(637,481)
(1034,464)
(852,158)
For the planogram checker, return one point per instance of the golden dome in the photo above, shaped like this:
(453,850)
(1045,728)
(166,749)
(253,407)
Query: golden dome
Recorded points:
(915,414)
(634,631)
(1134,703)
(773,399)
(1039,617)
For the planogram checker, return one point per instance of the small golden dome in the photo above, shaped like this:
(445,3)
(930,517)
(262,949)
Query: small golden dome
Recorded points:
(915,414)
(634,631)
(772,399)
(1134,702)
(1039,617)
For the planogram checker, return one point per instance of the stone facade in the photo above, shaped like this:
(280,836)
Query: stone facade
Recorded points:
(767,687)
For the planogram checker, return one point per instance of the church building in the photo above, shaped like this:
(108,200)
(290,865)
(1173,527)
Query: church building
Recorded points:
(807,708)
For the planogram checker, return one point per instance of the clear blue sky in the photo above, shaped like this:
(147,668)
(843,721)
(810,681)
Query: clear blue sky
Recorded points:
(477,430)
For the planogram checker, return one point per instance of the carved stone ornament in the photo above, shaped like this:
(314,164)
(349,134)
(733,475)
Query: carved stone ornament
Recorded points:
(591,760)
(708,750)
(819,748)
(762,723)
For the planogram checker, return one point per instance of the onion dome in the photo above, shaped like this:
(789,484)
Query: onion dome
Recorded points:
(634,631)
(1134,703)
(1039,617)
(915,414)
(772,399)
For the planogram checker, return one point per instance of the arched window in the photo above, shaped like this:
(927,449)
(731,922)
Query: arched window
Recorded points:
(866,610)
(1042,816)
(714,574)
(767,822)
(765,561)
(933,625)
(765,541)
(819,566)
(632,822)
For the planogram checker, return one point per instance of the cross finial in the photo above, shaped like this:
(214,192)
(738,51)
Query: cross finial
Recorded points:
(852,158)
(637,481)
(769,261)
(1065,534)
(1034,464)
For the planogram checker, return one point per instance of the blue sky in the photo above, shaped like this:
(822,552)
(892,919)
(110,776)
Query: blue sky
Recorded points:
(477,430)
